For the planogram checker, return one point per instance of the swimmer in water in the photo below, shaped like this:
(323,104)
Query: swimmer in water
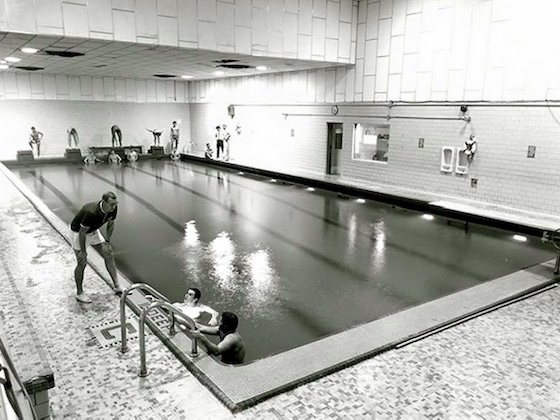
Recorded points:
(192,307)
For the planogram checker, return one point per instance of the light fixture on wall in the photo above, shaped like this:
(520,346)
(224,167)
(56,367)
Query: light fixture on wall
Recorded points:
(464,108)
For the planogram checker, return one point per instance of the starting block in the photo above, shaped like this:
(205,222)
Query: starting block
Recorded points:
(73,154)
(25,156)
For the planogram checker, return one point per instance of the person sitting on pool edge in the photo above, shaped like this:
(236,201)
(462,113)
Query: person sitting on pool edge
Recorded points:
(231,347)
(208,152)
(192,307)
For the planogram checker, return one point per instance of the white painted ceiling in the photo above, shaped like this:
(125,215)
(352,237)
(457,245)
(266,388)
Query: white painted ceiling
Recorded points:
(129,60)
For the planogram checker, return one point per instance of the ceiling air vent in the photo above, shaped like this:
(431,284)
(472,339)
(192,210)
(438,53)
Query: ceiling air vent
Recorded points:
(225,61)
(29,68)
(236,66)
(64,54)
(164,76)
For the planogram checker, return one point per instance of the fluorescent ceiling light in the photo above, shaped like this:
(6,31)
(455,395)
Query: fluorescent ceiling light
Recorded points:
(219,73)
(4,67)
(185,76)
(262,68)
(28,50)
(12,59)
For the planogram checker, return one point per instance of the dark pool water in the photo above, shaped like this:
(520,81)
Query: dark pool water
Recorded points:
(295,265)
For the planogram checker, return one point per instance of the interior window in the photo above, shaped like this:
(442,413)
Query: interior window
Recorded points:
(371,142)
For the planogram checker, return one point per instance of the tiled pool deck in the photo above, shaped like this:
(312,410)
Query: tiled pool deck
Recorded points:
(500,365)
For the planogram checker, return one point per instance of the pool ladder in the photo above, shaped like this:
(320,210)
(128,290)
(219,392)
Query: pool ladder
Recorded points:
(164,303)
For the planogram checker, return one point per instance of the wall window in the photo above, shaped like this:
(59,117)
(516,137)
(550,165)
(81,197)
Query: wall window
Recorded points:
(371,142)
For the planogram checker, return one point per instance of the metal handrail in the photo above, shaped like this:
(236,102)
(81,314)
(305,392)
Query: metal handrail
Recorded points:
(127,291)
(11,369)
(175,312)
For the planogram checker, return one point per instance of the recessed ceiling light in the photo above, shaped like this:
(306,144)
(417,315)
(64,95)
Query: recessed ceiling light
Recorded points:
(4,67)
(262,68)
(28,50)
(3,61)
(185,76)
(520,238)
(219,73)
(12,59)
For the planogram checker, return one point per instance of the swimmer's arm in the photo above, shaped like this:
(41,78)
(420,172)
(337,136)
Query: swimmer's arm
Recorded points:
(227,343)
(209,330)
(213,313)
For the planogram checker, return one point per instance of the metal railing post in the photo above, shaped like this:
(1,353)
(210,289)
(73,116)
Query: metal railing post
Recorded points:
(141,331)
(126,292)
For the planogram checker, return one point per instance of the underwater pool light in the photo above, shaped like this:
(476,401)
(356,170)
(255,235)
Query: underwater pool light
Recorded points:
(427,217)
(273,180)
(520,238)
(240,173)
(310,189)
(361,200)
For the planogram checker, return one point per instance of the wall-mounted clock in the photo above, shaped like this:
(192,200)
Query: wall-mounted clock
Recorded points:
(334,110)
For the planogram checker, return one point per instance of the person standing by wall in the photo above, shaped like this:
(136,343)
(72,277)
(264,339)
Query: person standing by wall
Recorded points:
(219,141)
(174,132)
(84,231)
(227,137)
(35,138)
(116,135)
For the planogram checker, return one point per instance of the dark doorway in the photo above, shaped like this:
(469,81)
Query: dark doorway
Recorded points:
(334,148)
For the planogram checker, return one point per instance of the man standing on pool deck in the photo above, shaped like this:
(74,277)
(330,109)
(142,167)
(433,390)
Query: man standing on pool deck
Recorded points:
(84,231)
(231,346)
(174,131)
(116,135)
(35,139)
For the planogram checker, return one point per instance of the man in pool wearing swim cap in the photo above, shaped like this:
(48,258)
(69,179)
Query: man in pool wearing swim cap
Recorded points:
(231,346)
(84,231)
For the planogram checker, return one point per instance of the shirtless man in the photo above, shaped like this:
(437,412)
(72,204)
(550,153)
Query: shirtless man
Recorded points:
(84,231)
(116,135)
(192,307)
(231,347)
(35,138)
(156,134)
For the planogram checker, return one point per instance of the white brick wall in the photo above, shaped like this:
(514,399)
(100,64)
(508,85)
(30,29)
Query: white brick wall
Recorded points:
(505,175)
(92,120)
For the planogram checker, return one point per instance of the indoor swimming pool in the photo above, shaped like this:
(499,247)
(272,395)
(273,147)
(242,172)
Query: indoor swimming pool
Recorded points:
(296,264)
